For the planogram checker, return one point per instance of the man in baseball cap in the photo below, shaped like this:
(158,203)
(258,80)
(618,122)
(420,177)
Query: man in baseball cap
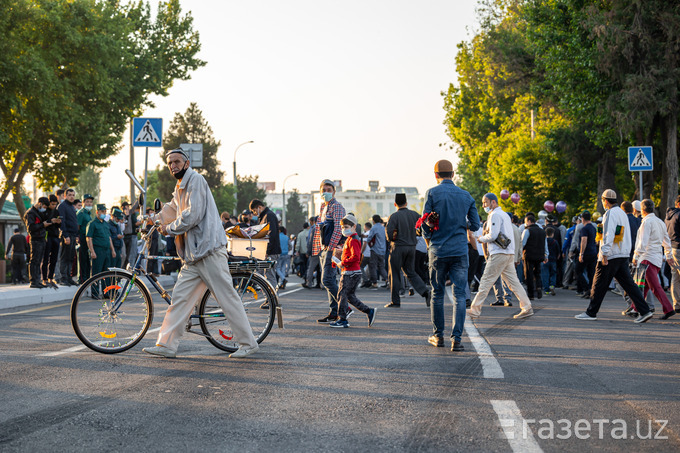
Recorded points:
(612,262)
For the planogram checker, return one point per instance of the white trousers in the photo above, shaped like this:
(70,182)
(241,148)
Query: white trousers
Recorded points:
(211,272)
(500,265)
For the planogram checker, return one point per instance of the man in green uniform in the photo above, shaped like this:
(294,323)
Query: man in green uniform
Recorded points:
(99,243)
(84,216)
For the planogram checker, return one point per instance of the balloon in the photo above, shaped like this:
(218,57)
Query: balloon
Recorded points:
(549,206)
(561,206)
(505,194)
(514,198)
(542,214)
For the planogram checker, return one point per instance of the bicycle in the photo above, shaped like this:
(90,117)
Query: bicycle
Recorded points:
(112,311)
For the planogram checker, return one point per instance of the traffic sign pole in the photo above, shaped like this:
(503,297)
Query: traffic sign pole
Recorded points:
(146,177)
(641,195)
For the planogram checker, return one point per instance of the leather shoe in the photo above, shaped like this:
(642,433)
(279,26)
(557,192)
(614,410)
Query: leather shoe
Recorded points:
(434,340)
(392,305)
(668,315)
(457,346)
(428,298)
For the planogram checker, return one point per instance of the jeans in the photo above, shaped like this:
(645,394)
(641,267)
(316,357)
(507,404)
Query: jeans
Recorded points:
(549,274)
(312,265)
(501,290)
(454,268)
(281,267)
(347,295)
(588,265)
(329,277)
(377,267)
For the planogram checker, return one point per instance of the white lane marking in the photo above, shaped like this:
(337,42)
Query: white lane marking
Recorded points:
(33,310)
(490,366)
(515,428)
(290,292)
(81,347)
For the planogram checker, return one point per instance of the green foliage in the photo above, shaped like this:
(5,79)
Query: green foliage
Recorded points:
(296,214)
(247,191)
(224,197)
(193,128)
(73,74)
(88,183)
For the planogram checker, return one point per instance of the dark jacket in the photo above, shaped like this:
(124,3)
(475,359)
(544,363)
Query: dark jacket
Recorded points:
(34,223)
(673,226)
(52,230)
(69,222)
(17,244)
(534,250)
(401,228)
(115,231)
(634,223)
(274,246)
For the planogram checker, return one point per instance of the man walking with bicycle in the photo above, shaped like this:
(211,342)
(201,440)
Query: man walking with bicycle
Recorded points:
(193,219)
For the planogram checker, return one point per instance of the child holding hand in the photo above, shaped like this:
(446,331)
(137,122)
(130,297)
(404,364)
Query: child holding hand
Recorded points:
(350,266)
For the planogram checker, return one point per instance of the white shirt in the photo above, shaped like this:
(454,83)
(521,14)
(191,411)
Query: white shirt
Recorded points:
(613,218)
(498,221)
(652,239)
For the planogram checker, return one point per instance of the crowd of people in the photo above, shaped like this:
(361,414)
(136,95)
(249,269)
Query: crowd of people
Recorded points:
(448,245)
(67,240)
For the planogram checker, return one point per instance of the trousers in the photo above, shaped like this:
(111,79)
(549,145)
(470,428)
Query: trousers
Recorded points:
(212,272)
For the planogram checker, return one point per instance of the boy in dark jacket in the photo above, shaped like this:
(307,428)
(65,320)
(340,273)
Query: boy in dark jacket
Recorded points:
(550,274)
(350,265)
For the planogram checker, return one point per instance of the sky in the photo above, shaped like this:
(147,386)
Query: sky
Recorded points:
(345,90)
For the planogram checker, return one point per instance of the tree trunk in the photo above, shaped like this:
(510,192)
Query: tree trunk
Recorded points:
(18,200)
(16,176)
(606,173)
(669,172)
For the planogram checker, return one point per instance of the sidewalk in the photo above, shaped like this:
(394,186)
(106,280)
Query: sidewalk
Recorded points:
(12,296)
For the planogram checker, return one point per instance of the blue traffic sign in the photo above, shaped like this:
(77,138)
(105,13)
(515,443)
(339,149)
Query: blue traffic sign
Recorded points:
(640,158)
(147,132)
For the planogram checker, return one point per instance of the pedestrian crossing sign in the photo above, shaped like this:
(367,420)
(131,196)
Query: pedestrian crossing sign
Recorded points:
(640,158)
(147,132)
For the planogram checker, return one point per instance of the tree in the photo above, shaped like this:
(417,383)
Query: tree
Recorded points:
(88,183)
(193,128)
(73,74)
(296,214)
(247,191)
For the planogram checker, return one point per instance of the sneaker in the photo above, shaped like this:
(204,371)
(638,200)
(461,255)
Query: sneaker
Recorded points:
(643,318)
(411,291)
(72,282)
(244,351)
(524,313)
(547,293)
(579,294)
(434,340)
(585,295)
(328,318)
(498,303)
(552,291)
(539,292)
(628,312)
(160,351)
(508,304)
(340,323)
(350,313)
(586,317)
(457,346)
(371,316)
(617,292)
(392,305)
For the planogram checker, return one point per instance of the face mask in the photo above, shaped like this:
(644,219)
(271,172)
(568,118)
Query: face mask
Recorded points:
(347,232)
(487,209)
(180,174)
(42,209)
(327,196)
(102,216)
(108,217)
(88,208)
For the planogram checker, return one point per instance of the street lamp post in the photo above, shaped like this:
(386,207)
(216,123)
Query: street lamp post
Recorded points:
(283,192)
(235,184)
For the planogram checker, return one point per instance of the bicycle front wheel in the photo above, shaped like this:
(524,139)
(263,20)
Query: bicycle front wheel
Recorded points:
(110,312)
(259,302)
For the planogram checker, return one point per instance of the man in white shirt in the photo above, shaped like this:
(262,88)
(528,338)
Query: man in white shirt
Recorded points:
(501,262)
(612,261)
(652,241)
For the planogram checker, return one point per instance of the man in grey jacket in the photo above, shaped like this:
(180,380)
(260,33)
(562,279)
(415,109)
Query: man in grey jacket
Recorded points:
(193,219)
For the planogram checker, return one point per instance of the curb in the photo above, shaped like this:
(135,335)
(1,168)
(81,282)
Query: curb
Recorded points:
(13,296)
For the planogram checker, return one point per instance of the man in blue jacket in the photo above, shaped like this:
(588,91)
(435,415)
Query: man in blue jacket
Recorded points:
(448,249)
(69,236)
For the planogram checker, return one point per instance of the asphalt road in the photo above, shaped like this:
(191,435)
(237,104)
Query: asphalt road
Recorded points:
(545,383)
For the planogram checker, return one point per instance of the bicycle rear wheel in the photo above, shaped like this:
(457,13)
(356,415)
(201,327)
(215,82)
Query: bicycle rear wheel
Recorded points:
(255,292)
(99,324)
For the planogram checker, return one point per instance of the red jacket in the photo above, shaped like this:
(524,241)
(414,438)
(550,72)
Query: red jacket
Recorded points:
(351,253)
